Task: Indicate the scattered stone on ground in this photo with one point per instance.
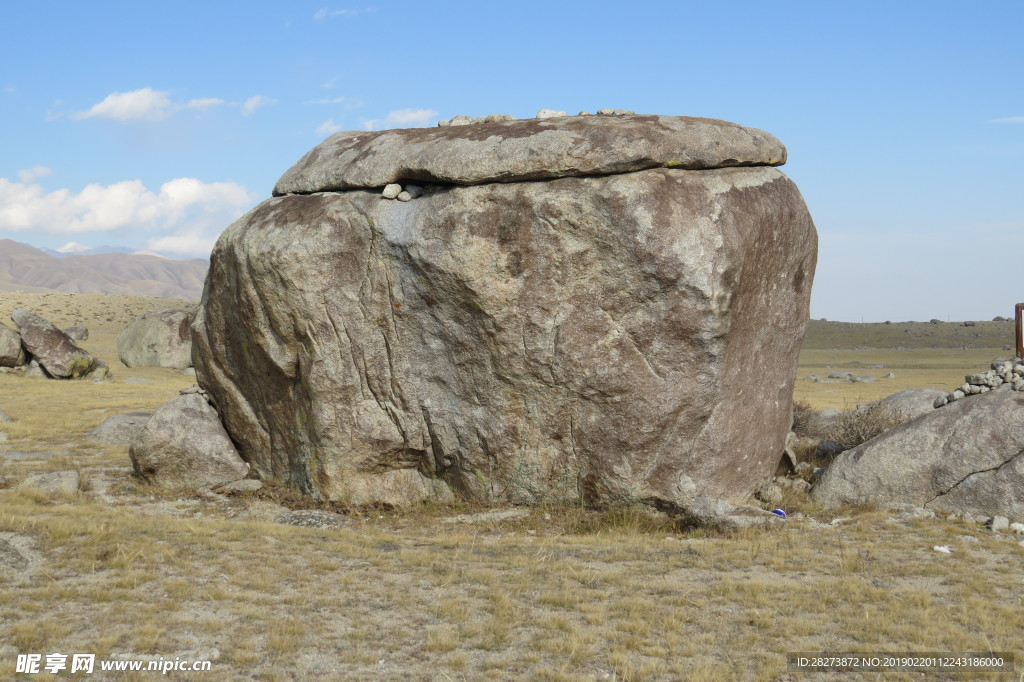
(315, 518)
(77, 333)
(121, 429)
(11, 352)
(55, 482)
(242, 486)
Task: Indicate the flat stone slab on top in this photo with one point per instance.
(527, 149)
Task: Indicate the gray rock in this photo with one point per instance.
(410, 193)
(967, 457)
(11, 352)
(245, 485)
(121, 429)
(999, 523)
(770, 493)
(189, 371)
(1016, 528)
(527, 149)
(314, 518)
(77, 333)
(184, 444)
(66, 482)
(35, 371)
(137, 380)
(409, 353)
(841, 375)
(159, 338)
(391, 191)
(497, 118)
(550, 113)
(863, 379)
(4, 417)
(718, 513)
(51, 347)
(914, 402)
(461, 120)
(890, 375)
(100, 370)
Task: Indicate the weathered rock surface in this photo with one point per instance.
(121, 429)
(11, 352)
(967, 457)
(159, 338)
(527, 149)
(584, 338)
(184, 444)
(50, 347)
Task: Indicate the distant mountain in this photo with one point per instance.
(26, 268)
(89, 250)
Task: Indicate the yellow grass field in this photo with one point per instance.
(119, 569)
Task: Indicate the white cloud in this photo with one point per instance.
(328, 127)
(334, 100)
(402, 118)
(204, 103)
(253, 103)
(187, 243)
(324, 13)
(184, 212)
(30, 174)
(145, 103)
(1010, 119)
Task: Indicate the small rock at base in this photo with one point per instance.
(314, 518)
(1017, 528)
(244, 485)
(391, 191)
(56, 482)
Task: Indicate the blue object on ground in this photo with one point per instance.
(779, 512)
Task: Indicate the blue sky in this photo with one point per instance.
(153, 125)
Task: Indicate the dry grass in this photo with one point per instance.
(562, 594)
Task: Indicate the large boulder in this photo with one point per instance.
(620, 336)
(11, 352)
(159, 338)
(184, 445)
(965, 457)
(54, 350)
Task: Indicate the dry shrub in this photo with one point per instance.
(804, 417)
(859, 425)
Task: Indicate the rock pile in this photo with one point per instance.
(40, 349)
(1003, 373)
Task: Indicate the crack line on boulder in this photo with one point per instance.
(974, 473)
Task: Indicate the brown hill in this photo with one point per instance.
(24, 268)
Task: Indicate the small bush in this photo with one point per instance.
(859, 425)
(804, 417)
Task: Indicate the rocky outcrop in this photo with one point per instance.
(913, 402)
(184, 445)
(11, 352)
(577, 339)
(77, 333)
(967, 457)
(159, 338)
(54, 350)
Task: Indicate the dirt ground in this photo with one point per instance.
(129, 572)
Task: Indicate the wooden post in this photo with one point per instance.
(1019, 309)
